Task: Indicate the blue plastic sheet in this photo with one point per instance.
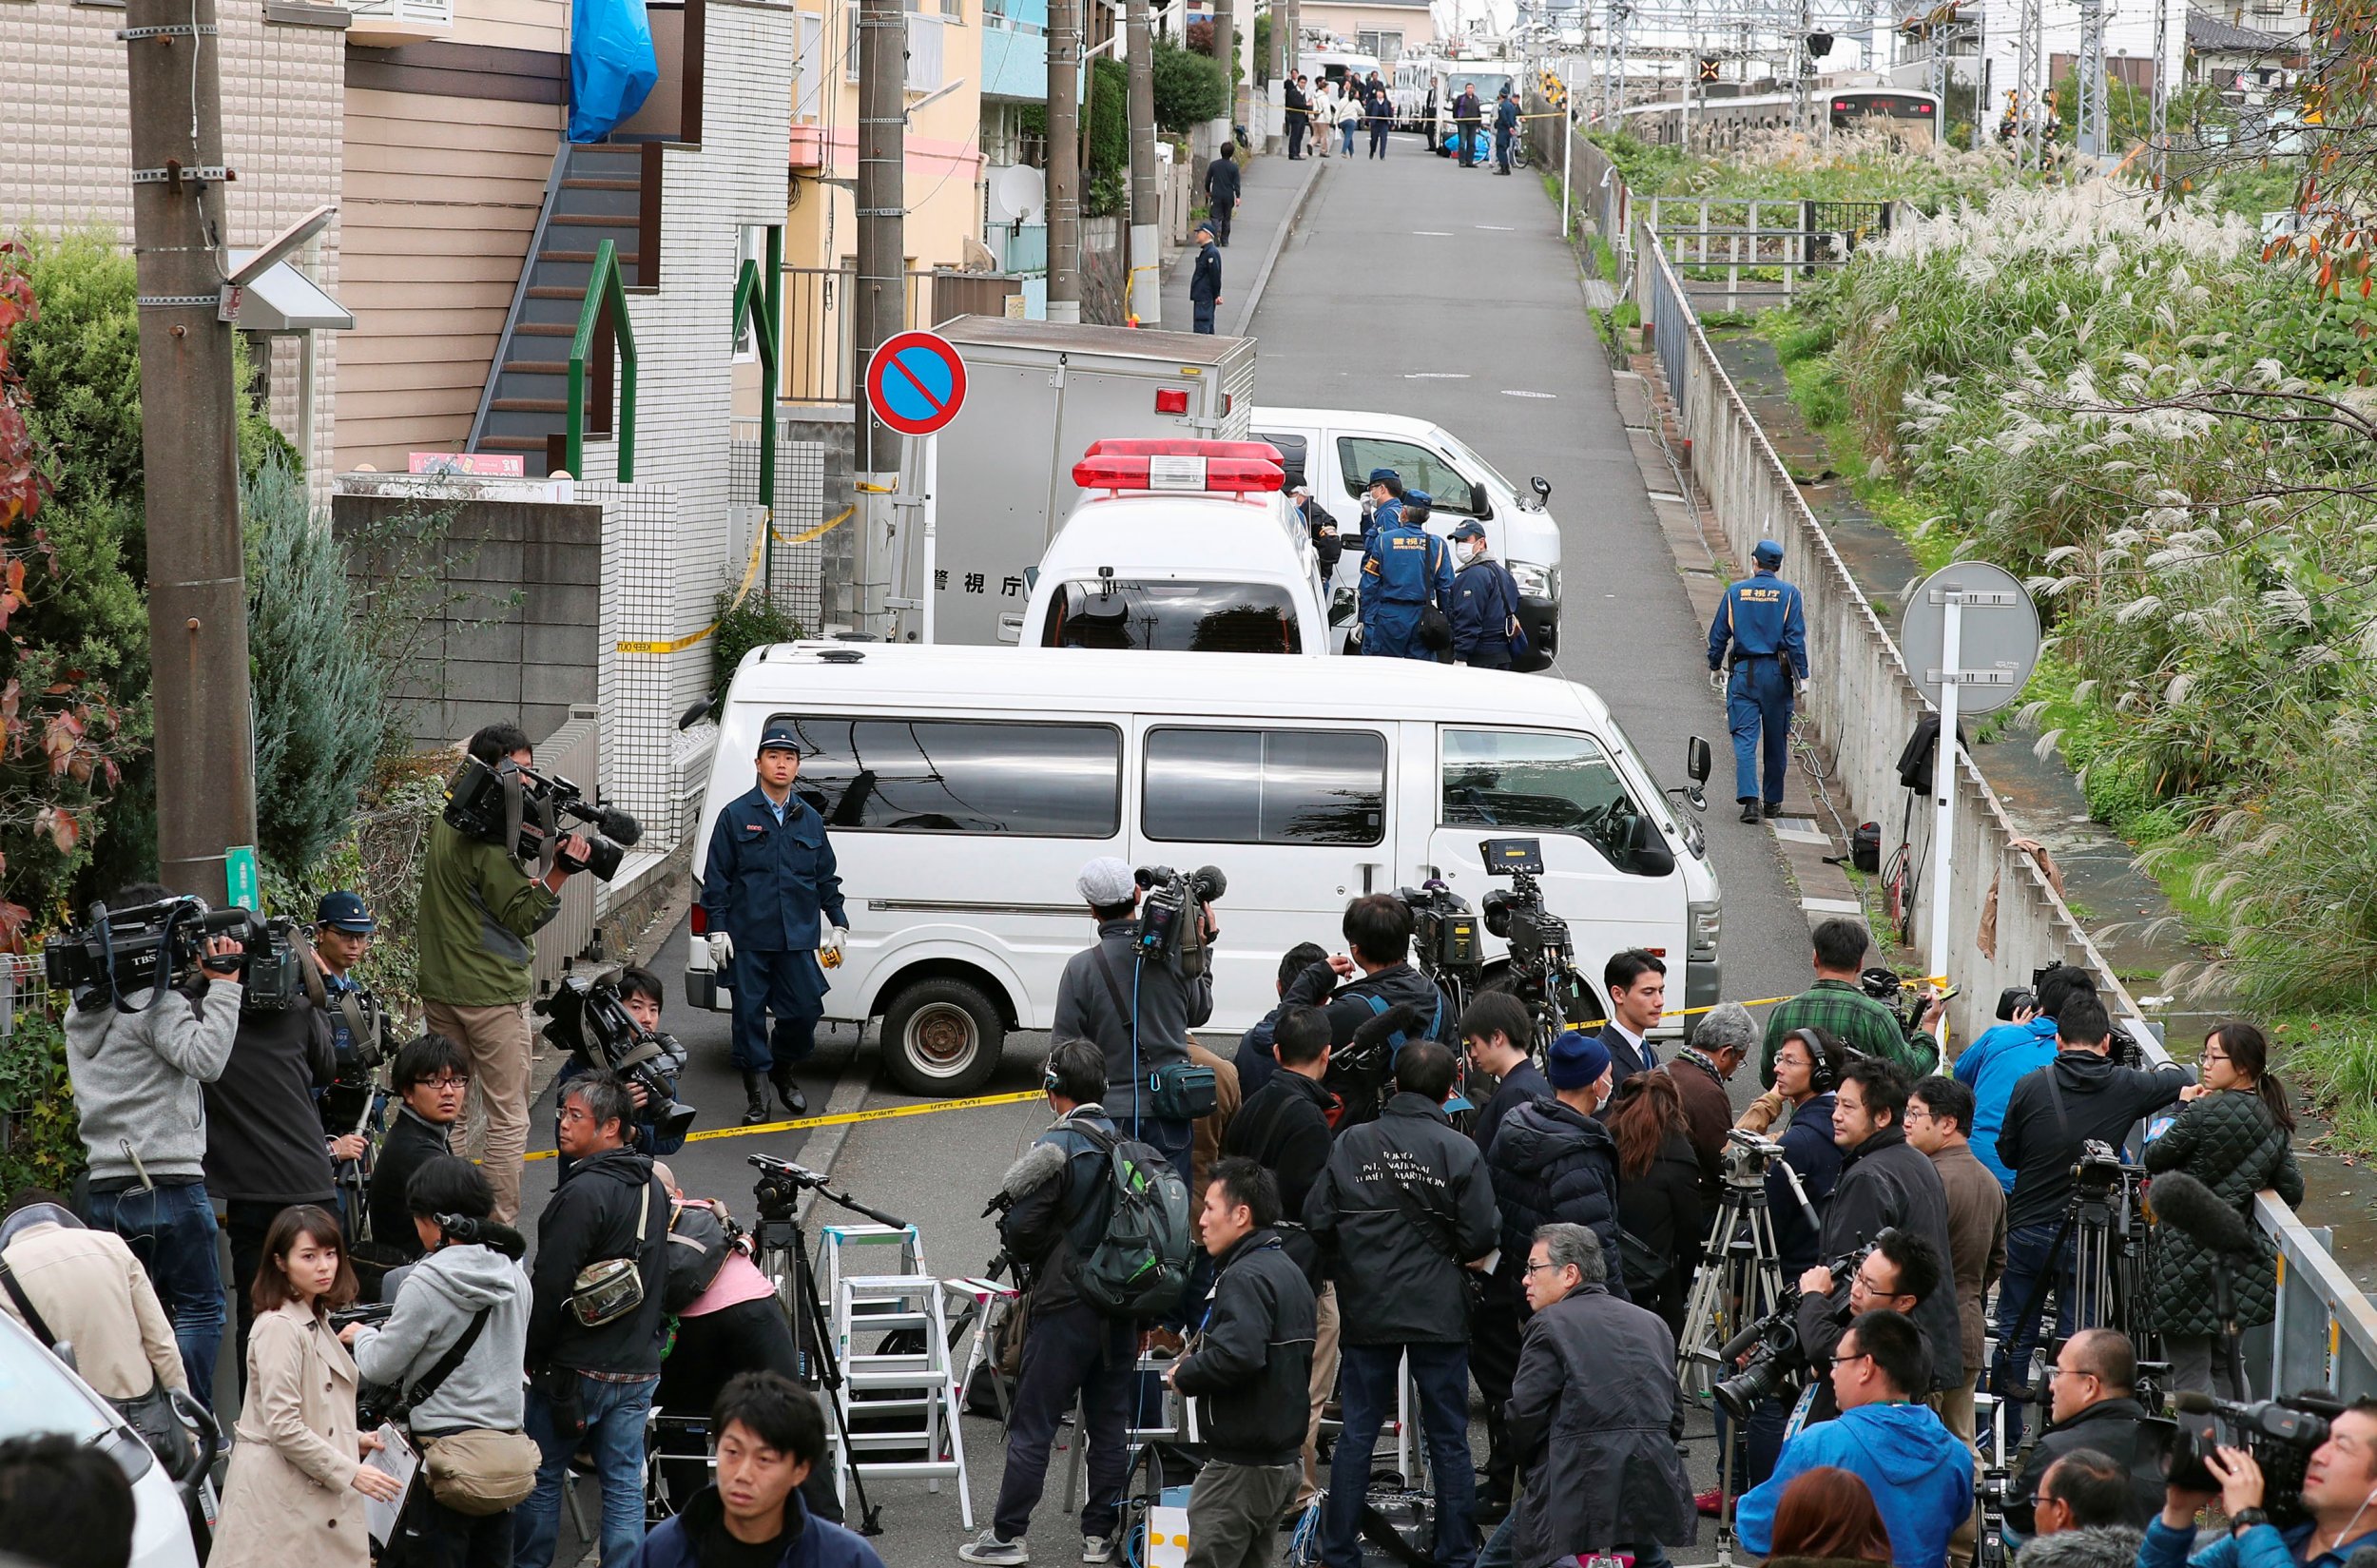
(612, 65)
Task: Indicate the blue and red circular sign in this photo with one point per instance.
(915, 382)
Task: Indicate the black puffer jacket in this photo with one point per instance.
(592, 1216)
(1403, 1205)
(1553, 1164)
(1888, 1182)
(1253, 1359)
(2228, 1140)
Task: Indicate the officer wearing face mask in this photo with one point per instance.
(1486, 604)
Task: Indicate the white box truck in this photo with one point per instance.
(1038, 395)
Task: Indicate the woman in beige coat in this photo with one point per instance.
(296, 1489)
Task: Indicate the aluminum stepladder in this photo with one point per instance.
(911, 1398)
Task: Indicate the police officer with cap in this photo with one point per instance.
(773, 902)
(1205, 283)
(1762, 619)
(1405, 569)
(1485, 603)
(359, 1035)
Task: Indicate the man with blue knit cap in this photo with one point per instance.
(1404, 569)
(1763, 621)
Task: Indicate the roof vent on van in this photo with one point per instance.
(840, 655)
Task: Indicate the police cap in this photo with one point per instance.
(343, 910)
(779, 738)
(1768, 552)
(1381, 475)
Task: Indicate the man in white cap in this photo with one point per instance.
(1137, 1009)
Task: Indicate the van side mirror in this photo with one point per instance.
(1478, 505)
(1697, 760)
(1542, 487)
(1344, 606)
(695, 714)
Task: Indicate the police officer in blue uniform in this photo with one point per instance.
(1762, 618)
(1205, 283)
(1405, 569)
(773, 900)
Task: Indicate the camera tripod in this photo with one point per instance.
(2105, 1285)
(784, 1259)
(1740, 1272)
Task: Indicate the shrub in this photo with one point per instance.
(756, 622)
(1189, 88)
(39, 1144)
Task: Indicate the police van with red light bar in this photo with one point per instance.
(1183, 545)
(964, 788)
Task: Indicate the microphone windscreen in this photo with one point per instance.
(1038, 1164)
(2191, 1402)
(2190, 1208)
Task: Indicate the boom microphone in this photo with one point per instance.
(2190, 1401)
(2195, 1212)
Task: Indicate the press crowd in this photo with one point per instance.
(1543, 1248)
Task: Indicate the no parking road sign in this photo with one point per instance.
(916, 383)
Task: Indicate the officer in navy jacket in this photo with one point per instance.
(773, 901)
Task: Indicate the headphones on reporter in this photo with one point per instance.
(1822, 1079)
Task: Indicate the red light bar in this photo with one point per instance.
(1225, 466)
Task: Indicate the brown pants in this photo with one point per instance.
(1954, 1407)
(1325, 1327)
(497, 1041)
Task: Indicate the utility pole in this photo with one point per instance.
(1064, 160)
(1146, 294)
(189, 447)
(2158, 104)
(1225, 51)
(2030, 108)
(882, 307)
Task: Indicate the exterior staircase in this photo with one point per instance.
(596, 193)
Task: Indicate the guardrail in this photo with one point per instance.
(1863, 704)
(606, 309)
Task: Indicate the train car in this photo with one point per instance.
(1721, 124)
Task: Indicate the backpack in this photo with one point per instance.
(698, 1244)
(1138, 1266)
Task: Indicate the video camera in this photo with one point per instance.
(2281, 1434)
(1444, 931)
(1543, 954)
(1171, 915)
(592, 1023)
(2100, 1169)
(522, 810)
(1776, 1357)
(145, 948)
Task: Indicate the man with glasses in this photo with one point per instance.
(2093, 1400)
(431, 1079)
(1898, 1275)
(1919, 1475)
(1885, 1183)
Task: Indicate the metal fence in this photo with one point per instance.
(1761, 248)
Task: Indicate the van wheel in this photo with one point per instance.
(942, 1037)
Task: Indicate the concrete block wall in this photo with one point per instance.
(65, 146)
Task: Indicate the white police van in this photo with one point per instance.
(964, 788)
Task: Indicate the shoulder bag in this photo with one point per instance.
(1181, 1091)
(151, 1414)
(475, 1470)
(610, 1289)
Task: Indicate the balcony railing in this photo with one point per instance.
(426, 13)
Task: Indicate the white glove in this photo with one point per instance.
(721, 949)
(1716, 681)
(835, 936)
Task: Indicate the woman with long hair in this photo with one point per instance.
(296, 1486)
(2235, 1135)
(1826, 1518)
(1659, 1213)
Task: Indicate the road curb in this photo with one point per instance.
(1279, 243)
(849, 1093)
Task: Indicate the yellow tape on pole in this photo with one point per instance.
(846, 1118)
(751, 572)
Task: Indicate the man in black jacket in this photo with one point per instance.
(1498, 1032)
(1058, 1193)
(591, 1387)
(1221, 190)
(1283, 1127)
(2092, 1398)
(431, 1079)
(1887, 1183)
(1249, 1367)
(1379, 974)
(1896, 1276)
(2079, 1097)
(1299, 105)
(1402, 1211)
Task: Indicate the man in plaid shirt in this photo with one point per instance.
(1836, 1004)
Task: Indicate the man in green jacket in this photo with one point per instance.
(479, 908)
(1837, 1003)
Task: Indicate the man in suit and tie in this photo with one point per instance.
(1636, 983)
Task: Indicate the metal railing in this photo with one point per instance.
(1862, 705)
(1768, 243)
(605, 308)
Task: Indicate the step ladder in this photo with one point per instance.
(900, 1404)
(1157, 1414)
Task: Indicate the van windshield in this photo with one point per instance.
(1183, 617)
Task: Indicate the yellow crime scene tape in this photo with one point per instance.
(1769, 1002)
(751, 575)
(934, 1108)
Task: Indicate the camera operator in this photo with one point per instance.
(463, 1309)
(1402, 1212)
(1806, 1079)
(1888, 1184)
(265, 1149)
(139, 1099)
(593, 1342)
(1499, 1033)
(640, 994)
(1379, 975)
(2082, 1098)
(1137, 1011)
(429, 1078)
(2005, 1055)
(1071, 1351)
(479, 910)
(358, 1040)
(2093, 1404)
(1921, 1475)
(2236, 1138)
(2339, 1492)
(1838, 1003)
(1899, 1275)
(1937, 1112)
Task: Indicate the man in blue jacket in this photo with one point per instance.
(773, 900)
(2002, 1056)
(2339, 1492)
(1485, 603)
(1920, 1473)
(1205, 283)
(769, 1433)
(1505, 129)
(1405, 569)
(1761, 619)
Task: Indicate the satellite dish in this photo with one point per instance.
(1020, 195)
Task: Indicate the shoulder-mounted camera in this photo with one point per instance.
(523, 811)
(122, 952)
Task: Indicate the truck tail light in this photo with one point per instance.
(1172, 400)
(1235, 468)
(700, 919)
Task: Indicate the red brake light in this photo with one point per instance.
(700, 919)
(1226, 467)
(1172, 400)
